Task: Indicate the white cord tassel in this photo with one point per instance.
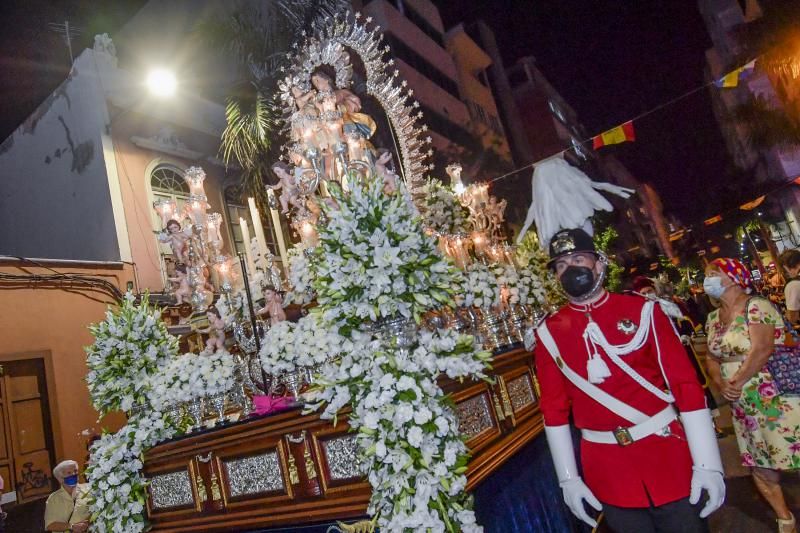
(597, 369)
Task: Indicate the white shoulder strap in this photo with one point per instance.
(614, 405)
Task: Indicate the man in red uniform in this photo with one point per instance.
(616, 363)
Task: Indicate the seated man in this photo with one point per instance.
(67, 508)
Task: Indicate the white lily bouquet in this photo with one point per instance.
(375, 262)
(301, 278)
(131, 344)
(479, 286)
(117, 484)
(523, 286)
(442, 211)
(306, 344)
(190, 376)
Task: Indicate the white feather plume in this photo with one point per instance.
(565, 198)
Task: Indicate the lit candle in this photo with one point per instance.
(308, 234)
(198, 207)
(166, 209)
(251, 265)
(257, 227)
(276, 224)
(480, 241)
(194, 179)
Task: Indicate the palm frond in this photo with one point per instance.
(767, 126)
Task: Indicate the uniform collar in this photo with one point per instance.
(585, 308)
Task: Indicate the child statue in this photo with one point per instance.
(385, 173)
(289, 191)
(176, 238)
(215, 330)
(273, 306)
(183, 290)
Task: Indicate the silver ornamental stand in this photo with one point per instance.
(252, 310)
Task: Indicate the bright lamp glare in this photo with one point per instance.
(161, 82)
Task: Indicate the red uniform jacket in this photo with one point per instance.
(657, 469)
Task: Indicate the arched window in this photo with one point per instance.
(168, 180)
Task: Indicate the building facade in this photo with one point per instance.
(724, 20)
(78, 229)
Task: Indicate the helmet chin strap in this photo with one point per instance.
(597, 288)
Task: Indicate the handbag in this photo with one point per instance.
(784, 362)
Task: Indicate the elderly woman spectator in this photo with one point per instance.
(742, 335)
(67, 508)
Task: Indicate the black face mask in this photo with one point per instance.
(577, 280)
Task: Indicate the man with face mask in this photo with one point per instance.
(615, 363)
(67, 508)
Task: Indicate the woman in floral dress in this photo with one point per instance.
(742, 335)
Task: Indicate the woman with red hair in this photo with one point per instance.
(742, 335)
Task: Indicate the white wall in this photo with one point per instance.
(54, 193)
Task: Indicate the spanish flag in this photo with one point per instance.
(617, 135)
(732, 79)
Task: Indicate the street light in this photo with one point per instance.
(161, 82)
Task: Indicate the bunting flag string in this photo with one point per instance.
(733, 78)
(618, 135)
(625, 132)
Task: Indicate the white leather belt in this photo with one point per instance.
(625, 436)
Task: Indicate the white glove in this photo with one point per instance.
(559, 439)
(707, 470)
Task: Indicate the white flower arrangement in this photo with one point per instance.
(523, 285)
(479, 286)
(307, 343)
(130, 345)
(374, 260)
(301, 278)
(413, 455)
(191, 376)
(118, 487)
(531, 287)
(443, 212)
(134, 363)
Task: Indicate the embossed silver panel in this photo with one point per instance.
(474, 415)
(171, 490)
(254, 475)
(342, 455)
(520, 392)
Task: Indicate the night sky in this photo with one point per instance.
(614, 60)
(610, 60)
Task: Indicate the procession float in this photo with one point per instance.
(377, 374)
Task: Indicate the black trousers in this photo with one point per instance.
(675, 517)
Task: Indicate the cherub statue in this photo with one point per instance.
(273, 306)
(215, 330)
(290, 194)
(496, 212)
(183, 290)
(385, 173)
(454, 172)
(176, 238)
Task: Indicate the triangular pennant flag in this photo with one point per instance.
(712, 220)
(617, 135)
(732, 79)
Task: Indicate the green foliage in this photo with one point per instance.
(604, 241)
(256, 38)
(531, 254)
